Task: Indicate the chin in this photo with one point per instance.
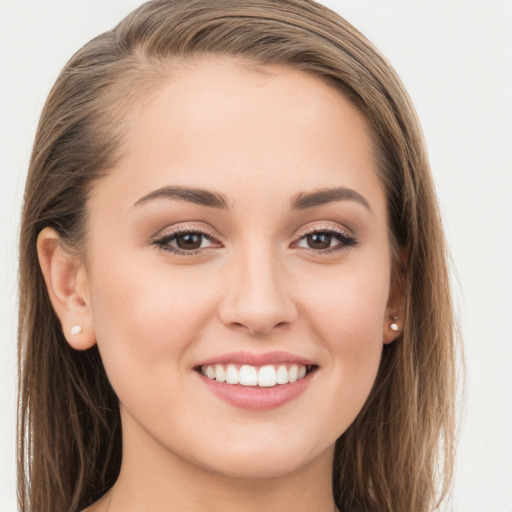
(260, 466)
(264, 458)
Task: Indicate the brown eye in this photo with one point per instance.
(319, 240)
(326, 241)
(189, 241)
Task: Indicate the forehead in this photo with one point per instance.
(225, 124)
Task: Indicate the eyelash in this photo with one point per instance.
(163, 242)
(345, 240)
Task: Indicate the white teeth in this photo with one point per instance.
(210, 372)
(248, 375)
(282, 375)
(220, 374)
(232, 375)
(266, 376)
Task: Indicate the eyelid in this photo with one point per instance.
(323, 227)
(345, 237)
(163, 238)
(187, 228)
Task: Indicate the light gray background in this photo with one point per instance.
(455, 58)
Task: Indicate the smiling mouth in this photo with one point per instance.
(267, 376)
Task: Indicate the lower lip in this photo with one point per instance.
(255, 397)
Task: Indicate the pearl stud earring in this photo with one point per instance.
(76, 329)
(393, 326)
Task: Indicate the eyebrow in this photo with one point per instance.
(190, 195)
(211, 199)
(328, 195)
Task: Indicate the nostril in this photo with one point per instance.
(264, 330)
(255, 328)
(256, 304)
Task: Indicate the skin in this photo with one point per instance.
(260, 138)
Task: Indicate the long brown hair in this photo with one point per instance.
(398, 454)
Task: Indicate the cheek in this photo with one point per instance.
(348, 304)
(146, 316)
(346, 314)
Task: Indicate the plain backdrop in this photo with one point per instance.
(455, 58)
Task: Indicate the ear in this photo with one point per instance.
(394, 318)
(67, 283)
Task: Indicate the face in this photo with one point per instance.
(242, 236)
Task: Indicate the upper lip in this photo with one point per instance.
(253, 359)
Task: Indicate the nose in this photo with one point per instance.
(257, 299)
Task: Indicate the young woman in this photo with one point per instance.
(233, 290)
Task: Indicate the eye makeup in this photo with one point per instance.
(190, 240)
(187, 240)
(318, 239)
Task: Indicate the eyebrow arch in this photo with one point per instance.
(188, 194)
(328, 195)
